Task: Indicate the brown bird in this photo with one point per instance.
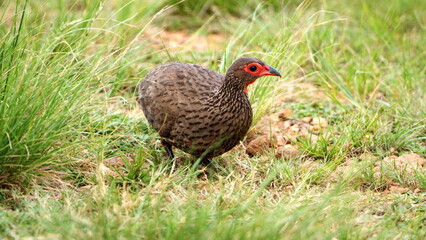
(199, 110)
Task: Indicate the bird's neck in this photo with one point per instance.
(229, 105)
(231, 91)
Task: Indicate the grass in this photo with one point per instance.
(79, 160)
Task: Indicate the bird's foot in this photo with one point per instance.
(168, 148)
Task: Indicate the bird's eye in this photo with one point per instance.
(253, 68)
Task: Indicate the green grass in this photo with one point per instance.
(79, 160)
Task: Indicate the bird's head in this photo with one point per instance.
(247, 69)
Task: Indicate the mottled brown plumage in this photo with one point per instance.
(198, 110)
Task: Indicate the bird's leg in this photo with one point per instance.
(168, 148)
(205, 162)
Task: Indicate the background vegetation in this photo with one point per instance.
(78, 159)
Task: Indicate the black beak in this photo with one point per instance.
(273, 71)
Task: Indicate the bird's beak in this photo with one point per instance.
(271, 71)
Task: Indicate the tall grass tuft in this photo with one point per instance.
(45, 88)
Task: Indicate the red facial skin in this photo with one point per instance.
(260, 71)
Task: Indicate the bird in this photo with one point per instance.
(198, 110)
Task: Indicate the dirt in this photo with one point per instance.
(185, 41)
(405, 166)
(398, 189)
(406, 163)
(410, 161)
(279, 133)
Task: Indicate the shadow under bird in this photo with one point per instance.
(199, 110)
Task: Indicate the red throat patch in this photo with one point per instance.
(245, 88)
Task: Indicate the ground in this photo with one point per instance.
(336, 150)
